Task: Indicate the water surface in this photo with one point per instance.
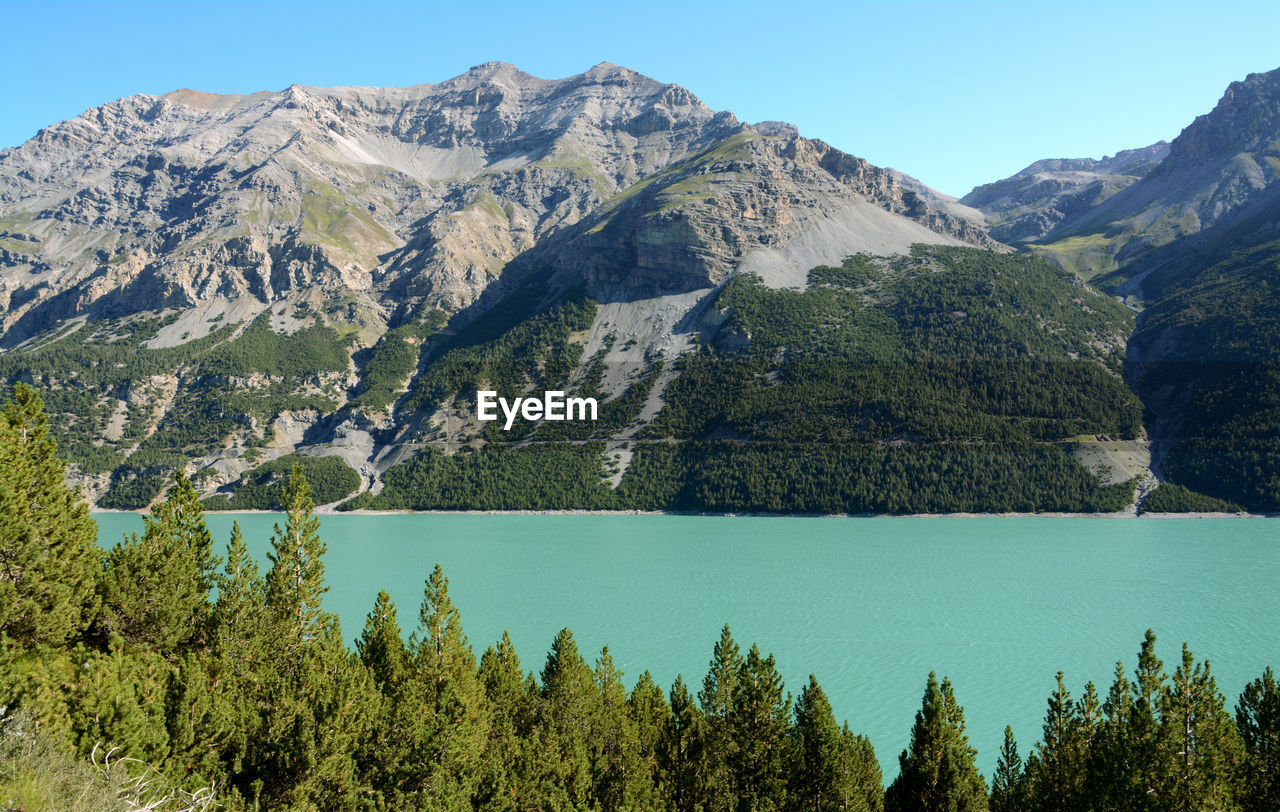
(868, 605)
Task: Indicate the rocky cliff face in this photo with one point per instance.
(1026, 206)
(280, 261)
(390, 201)
(1215, 187)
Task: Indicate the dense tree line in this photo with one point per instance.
(943, 381)
(330, 478)
(944, 344)
(1207, 350)
(392, 361)
(534, 351)
(758, 477)
(217, 674)
(1171, 497)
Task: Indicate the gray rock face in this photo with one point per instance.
(390, 200)
(1026, 206)
(1215, 187)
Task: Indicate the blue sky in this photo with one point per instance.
(953, 93)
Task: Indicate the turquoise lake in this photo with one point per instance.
(868, 605)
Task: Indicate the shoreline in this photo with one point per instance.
(329, 510)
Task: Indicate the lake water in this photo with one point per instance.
(869, 605)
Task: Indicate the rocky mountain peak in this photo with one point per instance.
(391, 200)
(1246, 119)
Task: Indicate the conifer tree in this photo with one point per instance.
(500, 783)
(48, 556)
(1089, 735)
(181, 517)
(1150, 769)
(570, 703)
(239, 611)
(716, 699)
(295, 581)
(381, 645)
(156, 588)
(681, 752)
(240, 650)
(1110, 762)
(204, 726)
(758, 725)
(318, 700)
(648, 709)
(1057, 778)
(118, 699)
(382, 651)
(1007, 784)
(937, 771)
(1258, 722)
(618, 779)
(1202, 743)
(861, 784)
(455, 725)
(815, 774)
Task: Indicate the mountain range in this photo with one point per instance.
(228, 285)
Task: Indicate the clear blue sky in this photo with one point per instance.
(953, 93)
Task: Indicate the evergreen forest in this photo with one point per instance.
(171, 672)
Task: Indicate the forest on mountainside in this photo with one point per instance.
(947, 380)
(1209, 369)
(206, 679)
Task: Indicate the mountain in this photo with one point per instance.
(229, 284)
(1193, 245)
(1216, 187)
(1027, 206)
(389, 201)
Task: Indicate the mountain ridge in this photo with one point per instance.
(210, 283)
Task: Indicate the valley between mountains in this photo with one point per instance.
(229, 286)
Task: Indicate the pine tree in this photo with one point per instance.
(937, 771)
(648, 709)
(681, 752)
(295, 581)
(48, 556)
(118, 700)
(618, 781)
(758, 725)
(716, 699)
(1057, 779)
(1110, 761)
(204, 727)
(156, 588)
(815, 773)
(181, 517)
(570, 704)
(1150, 769)
(240, 652)
(1258, 722)
(381, 646)
(861, 784)
(318, 700)
(500, 784)
(1007, 785)
(1202, 743)
(455, 726)
(382, 651)
(239, 613)
(1090, 736)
